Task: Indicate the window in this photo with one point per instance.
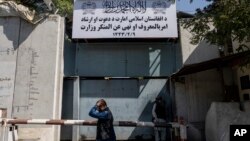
(244, 82)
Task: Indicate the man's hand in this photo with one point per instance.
(156, 119)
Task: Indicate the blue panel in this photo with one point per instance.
(69, 58)
(101, 60)
(109, 88)
(128, 59)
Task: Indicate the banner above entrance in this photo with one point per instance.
(124, 19)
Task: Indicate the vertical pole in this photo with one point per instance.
(76, 112)
(4, 128)
(183, 130)
(172, 94)
(76, 59)
(15, 136)
(176, 130)
(10, 133)
(2, 132)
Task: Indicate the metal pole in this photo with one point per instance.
(76, 110)
(85, 122)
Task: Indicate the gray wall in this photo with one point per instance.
(31, 58)
(223, 114)
(195, 92)
(195, 53)
(9, 33)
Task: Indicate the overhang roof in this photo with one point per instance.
(229, 60)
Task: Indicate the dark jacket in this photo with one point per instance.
(105, 129)
(160, 110)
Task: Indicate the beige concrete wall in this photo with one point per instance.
(195, 53)
(32, 72)
(223, 114)
(200, 89)
(194, 97)
(195, 92)
(9, 33)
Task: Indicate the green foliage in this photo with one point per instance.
(65, 7)
(38, 5)
(230, 20)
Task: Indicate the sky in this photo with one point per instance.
(186, 6)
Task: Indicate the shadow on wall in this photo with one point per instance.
(69, 54)
(122, 59)
(199, 53)
(142, 133)
(147, 133)
(16, 30)
(198, 90)
(67, 108)
(114, 99)
(145, 115)
(110, 88)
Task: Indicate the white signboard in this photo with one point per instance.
(124, 19)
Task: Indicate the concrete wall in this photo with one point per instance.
(9, 36)
(195, 92)
(221, 115)
(195, 53)
(31, 73)
(194, 97)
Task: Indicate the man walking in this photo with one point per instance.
(105, 128)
